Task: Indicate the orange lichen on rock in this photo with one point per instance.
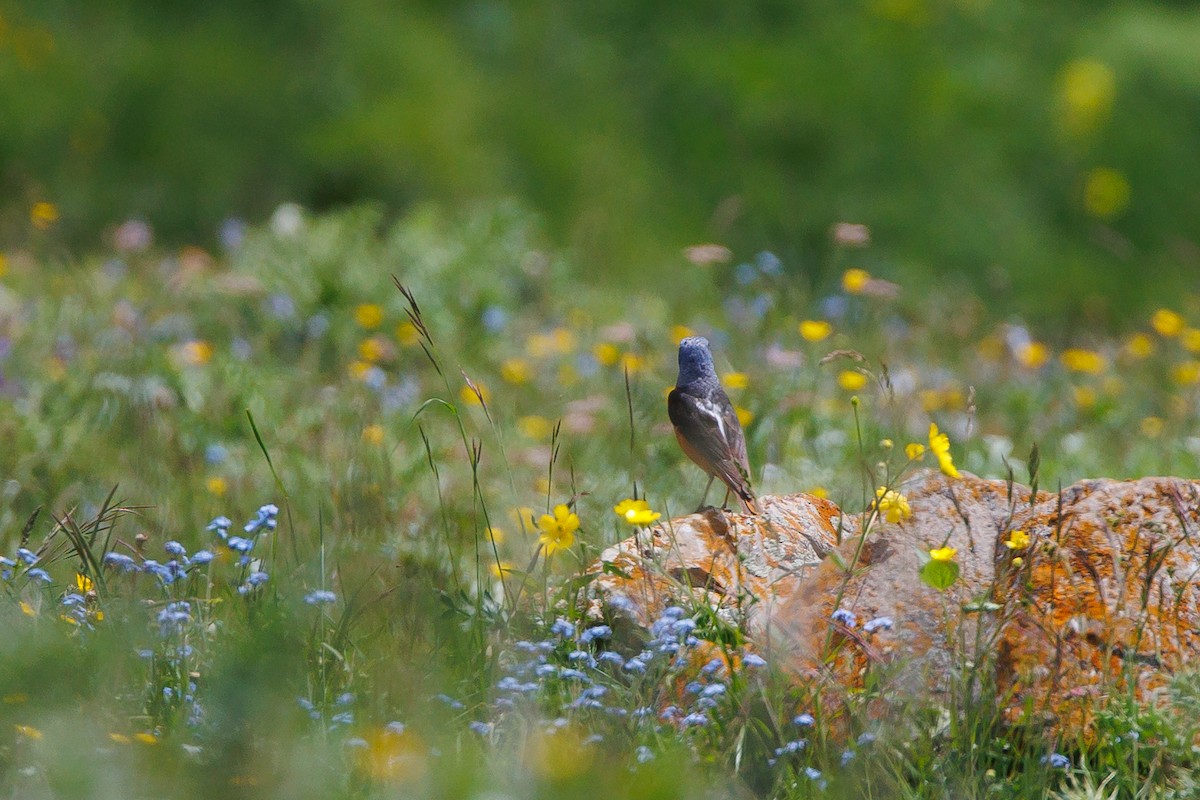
(1105, 600)
(739, 564)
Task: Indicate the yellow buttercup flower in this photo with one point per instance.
(892, 505)
(914, 450)
(43, 215)
(745, 416)
(1152, 427)
(1139, 346)
(474, 397)
(1190, 339)
(516, 371)
(1186, 373)
(939, 443)
(368, 316)
(1105, 193)
(83, 583)
(606, 354)
(851, 380)
(680, 332)
(943, 553)
(1079, 360)
(372, 349)
(407, 334)
(812, 330)
(854, 281)
(29, 732)
(1017, 540)
(535, 427)
(196, 353)
(1167, 323)
(635, 512)
(1086, 89)
(502, 569)
(216, 486)
(558, 530)
(1032, 355)
(373, 434)
(632, 363)
(736, 380)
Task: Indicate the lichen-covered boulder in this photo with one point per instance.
(1104, 602)
(741, 565)
(888, 620)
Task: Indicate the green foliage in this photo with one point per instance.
(411, 444)
(1044, 150)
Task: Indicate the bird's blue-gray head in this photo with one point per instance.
(696, 363)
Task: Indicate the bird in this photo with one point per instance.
(706, 425)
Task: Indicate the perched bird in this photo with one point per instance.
(706, 425)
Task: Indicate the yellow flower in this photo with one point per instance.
(886, 444)
(558, 531)
(819, 492)
(83, 583)
(1079, 360)
(1167, 323)
(1152, 427)
(914, 450)
(43, 215)
(851, 380)
(812, 330)
(407, 334)
(745, 416)
(1032, 355)
(368, 316)
(1190, 338)
(1018, 561)
(943, 553)
(632, 362)
(27, 609)
(1017, 540)
(1139, 346)
(562, 340)
(606, 354)
(359, 369)
(516, 371)
(1105, 193)
(893, 505)
(119, 738)
(196, 353)
(145, 737)
(29, 732)
(736, 380)
(474, 398)
(1186, 373)
(1085, 396)
(939, 443)
(495, 535)
(373, 434)
(680, 332)
(1086, 88)
(372, 349)
(855, 280)
(502, 569)
(635, 512)
(535, 427)
(3, 265)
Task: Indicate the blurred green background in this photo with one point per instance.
(1045, 152)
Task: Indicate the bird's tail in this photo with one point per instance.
(747, 497)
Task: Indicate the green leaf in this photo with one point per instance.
(941, 575)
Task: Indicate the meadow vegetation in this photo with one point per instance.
(307, 517)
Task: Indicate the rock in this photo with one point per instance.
(1105, 601)
(881, 581)
(739, 564)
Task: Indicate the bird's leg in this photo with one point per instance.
(725, 502)
(704, 499)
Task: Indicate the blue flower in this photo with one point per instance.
(847, 757)
(174, 617)
(220, 526)
(597, 632)
(240, 544)
(319, 596)
(715, 690)
(482, 728)
(634, 665)
(865, 738)
(120, 561)
(202, 557)
(804, 720)
(712, 666)
(344, 699)
(1056, 761)
(257, 578)
(264, 518)
(448, 700)
(792, 747)
(877, 623)
(174, 548)
(38, 574)
(612, 657)
(562, 628)
(394, 727)
(28, 556)
(643, 754)
(845, 617)
(695, 719)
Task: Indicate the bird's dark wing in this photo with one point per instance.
(709, 431)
